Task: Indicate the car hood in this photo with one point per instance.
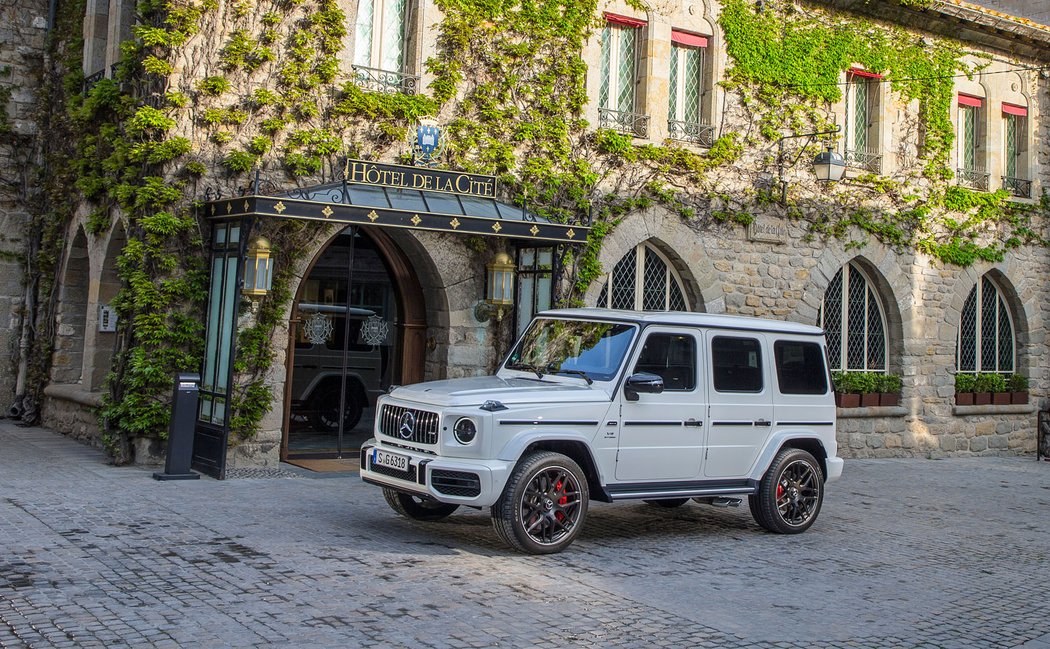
(508, 391)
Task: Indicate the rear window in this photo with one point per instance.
(736, 364)
(800, 367)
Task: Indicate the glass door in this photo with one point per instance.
(347, 348)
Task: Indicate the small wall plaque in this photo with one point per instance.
(768, 230)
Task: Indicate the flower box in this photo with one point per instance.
(1019, 398)
(1001, 398)
(964, 398)
(982, 398)
(869, 399)
(889, 399)
(847, 400)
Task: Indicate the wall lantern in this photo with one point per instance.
(499, 288)
(258, 268)
(828, 165)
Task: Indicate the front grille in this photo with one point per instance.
(421, 427)
(409, 475)
(455, 483)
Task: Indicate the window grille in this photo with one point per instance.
(643, 280)
(854, 323)
(685, 109)
(986, 333)
(379, 47)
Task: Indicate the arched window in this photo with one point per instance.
(645, 281)
(854, 322)
(986, 331)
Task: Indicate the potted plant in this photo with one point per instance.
(1017, 384)
(964, 389)
(847, 394)
(987, 384)
(889, 386)
(869, 388)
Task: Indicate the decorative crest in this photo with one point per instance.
(428, 143)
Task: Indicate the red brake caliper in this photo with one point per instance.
(561, 501)
(780, 491)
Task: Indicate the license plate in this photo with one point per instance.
(390, 460)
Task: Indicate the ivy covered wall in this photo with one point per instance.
(212, 91)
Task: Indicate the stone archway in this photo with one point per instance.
(104, 337)
(67, 361)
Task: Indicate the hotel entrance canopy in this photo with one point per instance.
(410, 198)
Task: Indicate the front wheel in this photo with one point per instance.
(544, 504)
(790, 493)
(417, 508)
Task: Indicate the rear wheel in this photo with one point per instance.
(667, 503)
(790, 493)
(544, 504)
(416, 507)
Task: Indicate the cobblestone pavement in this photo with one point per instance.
(906, 553)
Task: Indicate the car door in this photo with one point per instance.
(662, 435)
(741, 402)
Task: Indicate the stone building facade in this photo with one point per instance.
(655, 77)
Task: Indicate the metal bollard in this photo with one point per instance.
(180, 431)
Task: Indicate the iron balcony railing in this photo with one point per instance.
(92, 79)
(623, 122)
(1018, 187)
(973, 178)
(868, 160)
(702, 134)
(385, 81)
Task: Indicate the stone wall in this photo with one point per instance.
(23, 26)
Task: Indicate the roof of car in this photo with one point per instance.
(683, 318)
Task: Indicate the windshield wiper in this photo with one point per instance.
(552, 370)
(527, 368)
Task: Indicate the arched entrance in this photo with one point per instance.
(356, 329)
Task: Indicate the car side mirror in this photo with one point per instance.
(642, 382)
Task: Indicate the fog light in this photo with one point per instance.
(465, 431)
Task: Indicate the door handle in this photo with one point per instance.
(693, 422)
(762, 422)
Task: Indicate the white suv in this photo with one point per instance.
(613, 405)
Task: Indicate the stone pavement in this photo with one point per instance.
(906, 553)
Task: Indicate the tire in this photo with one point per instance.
(667, 503)
(544, 505)
(324, 407)
(790, 493)
(417, 508)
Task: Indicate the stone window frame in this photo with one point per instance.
(107, 24)
(699, 131)
(972, 165)
(867, 156)
(871, 290)
(639, 280)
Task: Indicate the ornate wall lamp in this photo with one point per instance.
(828, 165)
(258, 268)
(499, 288)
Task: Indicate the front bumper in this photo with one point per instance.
(476, 483)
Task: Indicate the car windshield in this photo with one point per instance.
(592, 350)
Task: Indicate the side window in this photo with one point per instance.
(800, 367)
(736, 364)
(672, 357)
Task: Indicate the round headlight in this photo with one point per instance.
(465, 430)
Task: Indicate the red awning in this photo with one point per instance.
(970, 100)
(857, 72)
(626, 21)
(1013, 109)
(687, 38)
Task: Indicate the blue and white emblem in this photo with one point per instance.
(428, 144)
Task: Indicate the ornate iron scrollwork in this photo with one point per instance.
(866, 160)
(701, 134)
(1018, 187)
(386, 81)
(974, 179)
(623, 122)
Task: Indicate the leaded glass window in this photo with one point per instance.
(986, 333)
(535, 289)
(968, 141)
(686, 83)
(618, 68)
(379, 34)
(854, 323)
(860, 112)
(643, 280)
